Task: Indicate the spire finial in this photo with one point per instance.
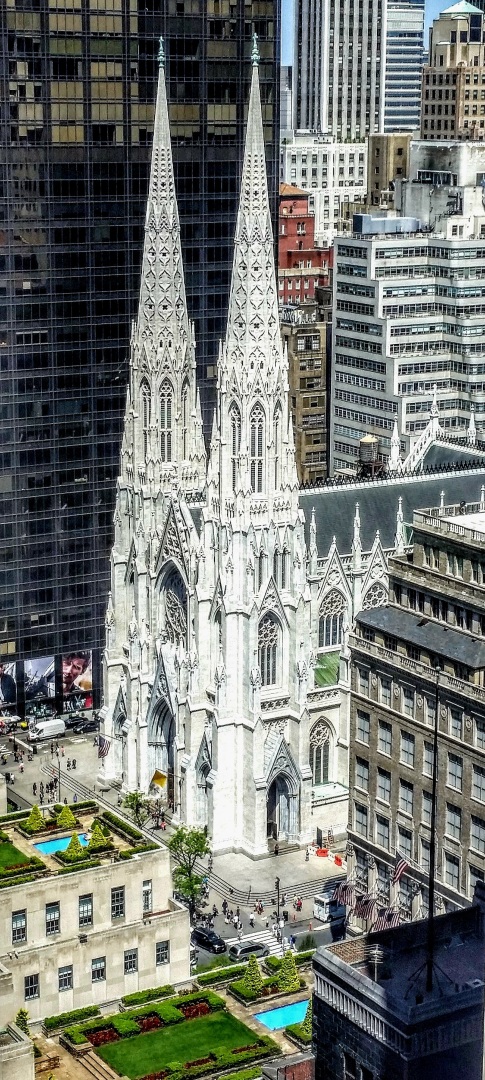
(255, 57)
(161, 54)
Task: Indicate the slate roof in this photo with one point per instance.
(425, 633)
(444, 453)
(378, 503)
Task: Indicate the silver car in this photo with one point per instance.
(244, 949)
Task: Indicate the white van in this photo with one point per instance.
(46, 729)
(326, 909)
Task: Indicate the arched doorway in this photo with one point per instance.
(161, 737)
(202, 805)
(278, 816)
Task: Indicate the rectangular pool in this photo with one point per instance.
(286, 1014)
(60, 843)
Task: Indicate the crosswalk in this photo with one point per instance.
(263, 937)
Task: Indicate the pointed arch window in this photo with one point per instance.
(269, 634)
(319, 752)
(256, 451)
(331, 620)
(145, 416)
(280, 568)
(175, 597)
(277, 443)
(235, 418)
(185, 421)
(166, 420)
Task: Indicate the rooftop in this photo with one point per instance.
(422, 631)
(462, 8)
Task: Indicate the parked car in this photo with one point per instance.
(85, 726)
(244, 949)
(9, 723)
(71, 720)
(208, 939)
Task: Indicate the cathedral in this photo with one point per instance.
(226, 659)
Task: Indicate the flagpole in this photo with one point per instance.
(432, 846)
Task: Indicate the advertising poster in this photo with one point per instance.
(39, 687)
(77, 681)
(8, 685)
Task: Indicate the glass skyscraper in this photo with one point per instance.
(78, 80)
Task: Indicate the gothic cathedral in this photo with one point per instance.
(208, 671)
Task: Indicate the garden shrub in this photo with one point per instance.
(66, 819)
(35, 821)
(307, 1023)
(298, 1032)
(121, 826)
(307, 943)
(102, 825)
(287, 977)
(88, 864)
(130, 852)
(142, 996)
(22, 1020)
(241, 990)
(98, 840)
(21, 880)
(227, 972)
(53, 1022)
(252, 979)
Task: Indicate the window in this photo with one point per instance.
(363, 727)
(477, 834)
(64, 976)
(147, 896)
(145, 409)
(268, 635)
(406, 797)
(424, 855)
(452, 870)
(52, 918)
(362, 774)
(185, 420)
(350, 1067)
(405, 842)
(407, 749)
(19, 926)
(453, 821)
(31, 987)
(118, 902)
(361, 819)
(408, 701)
(382, 831)
(426, 807)
(474, 875)
(383, 785)
(384, 738)
(235, 420)
(456, 723)
(256, 443)
(428, 755)
(480, 734)
(319, 752)
(98, 969)
(131, 961)
(386, 691)
(331, 620)
(478, 783)
(162, 952)
(363, 676)
(166, 396)
(455, 772)
(86, 910)
(430, 711)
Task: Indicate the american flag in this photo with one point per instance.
(103, 746)
(400, 867)
(365, 906)
(344, 893)
(386, 918)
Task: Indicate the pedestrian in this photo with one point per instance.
(57, 747)
(74, 762)
(52, 749)
(41, 787)
(239, 935)
(238, 911)
(41, 798)
(62, 751)
(224, 907)
(95, 740)
(251, 919)
(65, 800)
(75, 796)
(276, 849)
(69, 763)
(267, 922)
(235, 921)
(21, 766)
(34, 789)
(307, 855)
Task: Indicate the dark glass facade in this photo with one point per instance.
(78, 81)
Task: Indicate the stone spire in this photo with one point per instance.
(434, 423)
(394, 463)
(472, 431)
(162, 442)
(255, 445)
(357, 542)
(399, 539)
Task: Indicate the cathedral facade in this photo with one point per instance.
(220, 608)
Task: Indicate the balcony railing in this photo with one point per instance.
(422, 671)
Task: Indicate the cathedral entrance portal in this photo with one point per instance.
(161, 738)
(278, 815)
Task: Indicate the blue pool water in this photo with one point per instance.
(47, 847)
(280, 1018)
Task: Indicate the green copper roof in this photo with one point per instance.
(462, 8)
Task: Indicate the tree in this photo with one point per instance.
(22, 1021)
(252, 979)
(98, 839)
(188, 845)
(307, 1023)
(288, 977)
(75, 850)
(66, 819)
(35, 822)
(138, 807)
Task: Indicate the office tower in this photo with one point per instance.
(78, 87)
(286, 101)
(453, 85)
(346, 66)
(334, 174)
(387, 160)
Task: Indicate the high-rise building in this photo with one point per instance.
(453, 84)
(78, 87)
(333, 173)
(357, 66)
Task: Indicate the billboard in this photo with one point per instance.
(77, 681)
(8, 685)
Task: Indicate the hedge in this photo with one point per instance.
(273, 963)
(128, 854)
(16, 815)
(63, 1019)
(89, 804)
(18, 880)
(246, 1074)
(122, 826)
(142, 996)
(221, 974)
(124, 1024)
(224, 1059)
(89, 864)
(34, 863)
(239, 987)
(296, 1030)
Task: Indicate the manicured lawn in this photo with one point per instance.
(183, 1042)
(10, 855)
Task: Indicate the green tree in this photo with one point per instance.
(307, 1023)
(75, 850)
(98, 839)
(22, 1021)
(252, 979)
(35, 821)
(188, 845)
(138, 807)
(66, 819)
(288, 977)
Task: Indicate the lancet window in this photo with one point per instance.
(331, 620)
(145, 415)
(269, 634)
(235, 417)
(319, 752)
(166, 420)
(256, 448)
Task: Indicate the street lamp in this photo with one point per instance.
(277, 887)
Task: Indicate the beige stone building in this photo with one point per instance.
(16, 1054)
(304, 331)
(387, 160)
(453, 86)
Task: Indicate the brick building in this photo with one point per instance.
(302, 266)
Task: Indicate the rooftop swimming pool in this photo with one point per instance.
(48, 847)
(286, 1014)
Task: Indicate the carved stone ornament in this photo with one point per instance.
(419, 701)
(468, 724)
(443, 712)
(396, 691)
(374, 680)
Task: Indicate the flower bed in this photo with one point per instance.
(195, 1009)
(273, 963)
(103, 1036)
(150, 1022)
(126, 1023)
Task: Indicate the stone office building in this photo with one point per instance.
(421, 652)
